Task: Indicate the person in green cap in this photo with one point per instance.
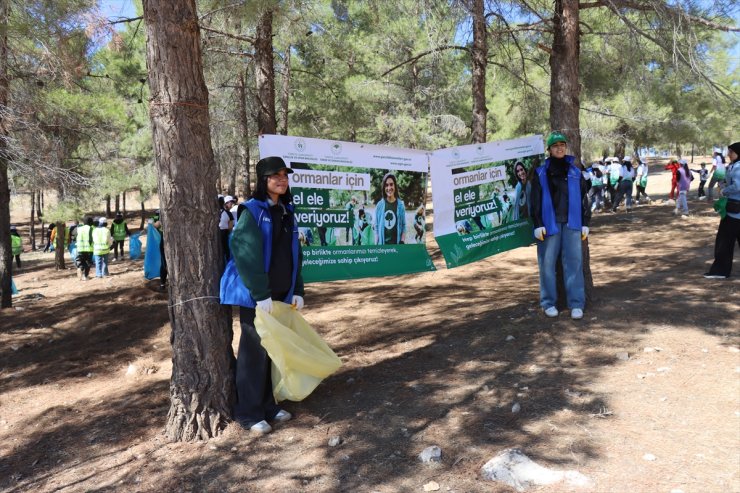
(560, 213)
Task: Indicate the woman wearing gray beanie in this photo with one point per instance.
(728, 232)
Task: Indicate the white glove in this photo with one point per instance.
(539, 233)
(265, 305)
(584, 232)
(297, 302)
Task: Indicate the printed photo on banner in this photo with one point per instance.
(359, 208)
(481, 197)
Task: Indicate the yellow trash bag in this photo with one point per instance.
(300, 357)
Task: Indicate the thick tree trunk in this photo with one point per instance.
(480, 57)
(285, 94)
(6, 253)
(565, 103)
(61, 230)
(565, 87)
(33, 220)
(265, 74)
(243, 119)
(202, 386)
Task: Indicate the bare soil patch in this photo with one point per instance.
(426, 362)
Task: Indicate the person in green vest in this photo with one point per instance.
(16, 244)
(84, 259)
(119, 231)
(102, 240)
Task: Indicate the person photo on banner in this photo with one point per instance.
(390, 214)
(561, 213)
(521, 192)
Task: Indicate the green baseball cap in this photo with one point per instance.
(554, 138)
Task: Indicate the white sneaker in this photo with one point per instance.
(576, 314)
(282, 416)
(551, 312)
(262, 428)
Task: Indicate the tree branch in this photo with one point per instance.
(125, 19)
(248, 39)
(416, 58)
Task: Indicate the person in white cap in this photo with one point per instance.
(226, 224)
(626, 176)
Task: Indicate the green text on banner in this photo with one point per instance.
(359, 207)
(481, 203)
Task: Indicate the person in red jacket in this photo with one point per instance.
(673, 166)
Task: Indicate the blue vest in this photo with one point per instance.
(233, 290)
(574, 192)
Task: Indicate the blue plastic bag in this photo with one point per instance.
(134, 247)
(13, 289)
(152, 258)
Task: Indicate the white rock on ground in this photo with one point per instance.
(431, 454)
(514, 468)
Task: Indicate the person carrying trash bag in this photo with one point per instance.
(265, 266)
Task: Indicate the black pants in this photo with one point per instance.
(162, 264)
(18, 261)
(225, 244)
(724, 246)
(84, 261)
(701, 189)
(254, 399)
(116, 244)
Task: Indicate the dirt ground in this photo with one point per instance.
(426, 361)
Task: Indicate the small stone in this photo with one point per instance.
(431, 486)
(623, 355)
(234, 449)
(733, 349)
(676, 490)
(663, 369)
(431, 454)
(663, 399)
(641, 376)
(649, 457)
(131, 370)
(89, 375)
(334, 441)
(704, 350)
(350, 380)
(213, 447)
(648, 350)
(19, 308)
(516, 408)
(510, 338)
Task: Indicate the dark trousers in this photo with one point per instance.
(18, 261)
(84, 261)
(254, 399)
(701, 188)
(163, 264)
(116, 244)
(724, 246)
(225, 244)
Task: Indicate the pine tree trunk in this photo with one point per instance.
(33, 220)
(118, 203)
(123, 199)
(202, 386)
(265, 74)
(107, 206)
(40, 214)
(243, 119)
(565, 105)
(6, 252)
(285, 94)
(565, 87)
(61, 230)
(143, 216)
(480, 57)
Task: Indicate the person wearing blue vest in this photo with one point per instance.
(265, 265)
(560, 213)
